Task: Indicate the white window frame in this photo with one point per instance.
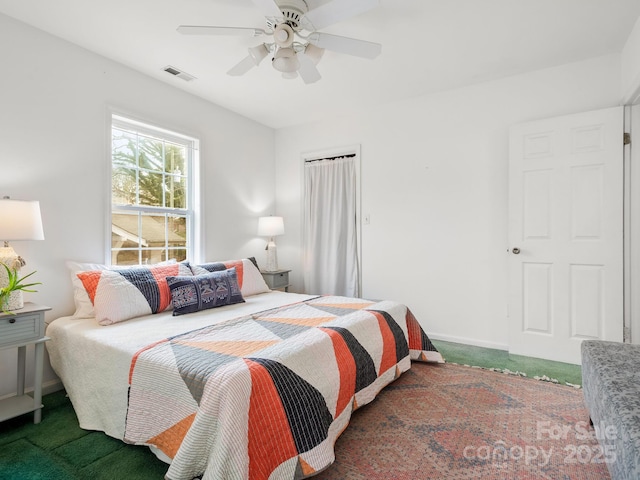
(193, 207)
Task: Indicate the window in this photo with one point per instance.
(152, 193)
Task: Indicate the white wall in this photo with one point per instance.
(631, 66)
(434, 181)
(54, 98)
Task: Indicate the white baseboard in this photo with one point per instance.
(47, 388)
(468, 341)
(52, 386)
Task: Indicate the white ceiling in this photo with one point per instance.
(427, 46)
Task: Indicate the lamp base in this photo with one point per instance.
(272, 257)
(10, 258)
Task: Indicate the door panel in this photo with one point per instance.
(587, 198)
(537, 204)
(587, 300)
(538, 297)
(566, 220)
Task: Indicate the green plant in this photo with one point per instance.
(15, 283)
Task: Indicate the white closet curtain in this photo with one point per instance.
(329, 227)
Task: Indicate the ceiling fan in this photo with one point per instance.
(297, 45)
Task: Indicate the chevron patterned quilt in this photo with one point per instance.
(265, 396)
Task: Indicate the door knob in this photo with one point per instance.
(515, 250)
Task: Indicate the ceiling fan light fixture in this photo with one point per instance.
(283, 35)
(297, 45)
(285, 60)
(258, 53)
(313, 52)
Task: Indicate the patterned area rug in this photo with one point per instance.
(454, 422)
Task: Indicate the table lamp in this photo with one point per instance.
(271, 227)
(19, 220)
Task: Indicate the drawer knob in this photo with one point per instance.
(12, 320)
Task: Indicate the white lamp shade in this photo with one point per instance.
(314, 53)
(285, 60)
(270, 226)
(20, 220)
(258, 53)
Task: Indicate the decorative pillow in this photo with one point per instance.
(84, 305)
(249, 277)
(125, 293)
(208, 290)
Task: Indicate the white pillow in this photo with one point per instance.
(124, 293)
(84, 307)
(249, 277)
(252, 281)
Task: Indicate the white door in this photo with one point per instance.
(565, 233)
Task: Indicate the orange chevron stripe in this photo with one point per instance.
(347, 369)
(413, 329)
(389, 354)
(305, 322)
(170, 440)
(90, 281)
(305, 467)
(270, 441)
(160, 274)
(239, 269)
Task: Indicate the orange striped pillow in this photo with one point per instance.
(118, 295)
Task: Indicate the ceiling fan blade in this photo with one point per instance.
(269, 8)
(350, 46)
(211, 30)
(308, 71)
(336, 11)
(242, 67)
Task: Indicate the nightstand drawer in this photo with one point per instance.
(23, 329)
(277, 279)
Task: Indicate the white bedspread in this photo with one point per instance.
(93, 361)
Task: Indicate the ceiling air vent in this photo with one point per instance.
(177, 73)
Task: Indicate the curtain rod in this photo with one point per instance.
(349, 155)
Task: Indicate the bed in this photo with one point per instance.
(259, 387)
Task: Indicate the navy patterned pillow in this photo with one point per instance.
(200, 292)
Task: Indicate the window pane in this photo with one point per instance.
(177, 231)
(175, 156)
(151, 189)
(179, 254)
(175, 191)
(125, 257)
(124, 149)
(150, 257)
(151, 154)
(124, 231)
(153, 231)
(123, 186)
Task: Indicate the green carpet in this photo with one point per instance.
(58, 449)
(503, 360)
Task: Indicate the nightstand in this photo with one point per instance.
(276, 280)
(17, 330)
